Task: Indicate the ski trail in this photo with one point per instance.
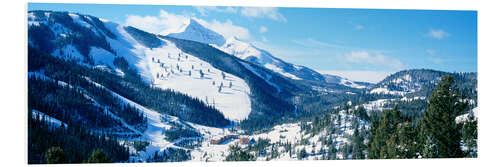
(156, 127)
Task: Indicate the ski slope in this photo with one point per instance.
(170, 68)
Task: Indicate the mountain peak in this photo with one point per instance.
(195, 31)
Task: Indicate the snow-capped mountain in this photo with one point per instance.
(346, 82)
(246, 51)
(251, 53)
(194, 31)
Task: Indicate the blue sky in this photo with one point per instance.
(361, 44)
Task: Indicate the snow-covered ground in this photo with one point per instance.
(284, 133)
(376, 104)
(170, 68)
(386, 91)
(464, 117)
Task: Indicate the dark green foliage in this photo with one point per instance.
(189, 143)
(76, 141)
(177, 132)
(357, 145)
(382, 131)
(302, 154)
(404, 142)
(440, 132)
(55, 155)
(140, 145)
(237, 154)
(145, 38)
(469, 135)
(170, 155)
(260, 146)
(361, 113)
(98, 156)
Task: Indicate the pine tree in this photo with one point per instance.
(440, 132)
(55, 155)
(98, 156)
(469, 135)
(381, 132)
(238, 154)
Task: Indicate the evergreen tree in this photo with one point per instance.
(469, 135)
(302, 154)
(98, 156)
(440, 132)
(55, 155)
(381, 132)
(358, 145)
(238, 154)
(403, 142)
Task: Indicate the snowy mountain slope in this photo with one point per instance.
(194, 31)
(139, 47)
(170, 68)
(251, 53)
(154, 131)
(346, 82)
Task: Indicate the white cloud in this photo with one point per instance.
(377, 59)
(310, 42)
(203, 10)
(227, 29)
(262, 29)
(263, 12)
(264, 39)
(358, 27)
(438, 34)
(364, 76)
(166, 23)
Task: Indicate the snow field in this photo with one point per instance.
(170, 68)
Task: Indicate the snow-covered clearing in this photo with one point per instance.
(386, 91)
